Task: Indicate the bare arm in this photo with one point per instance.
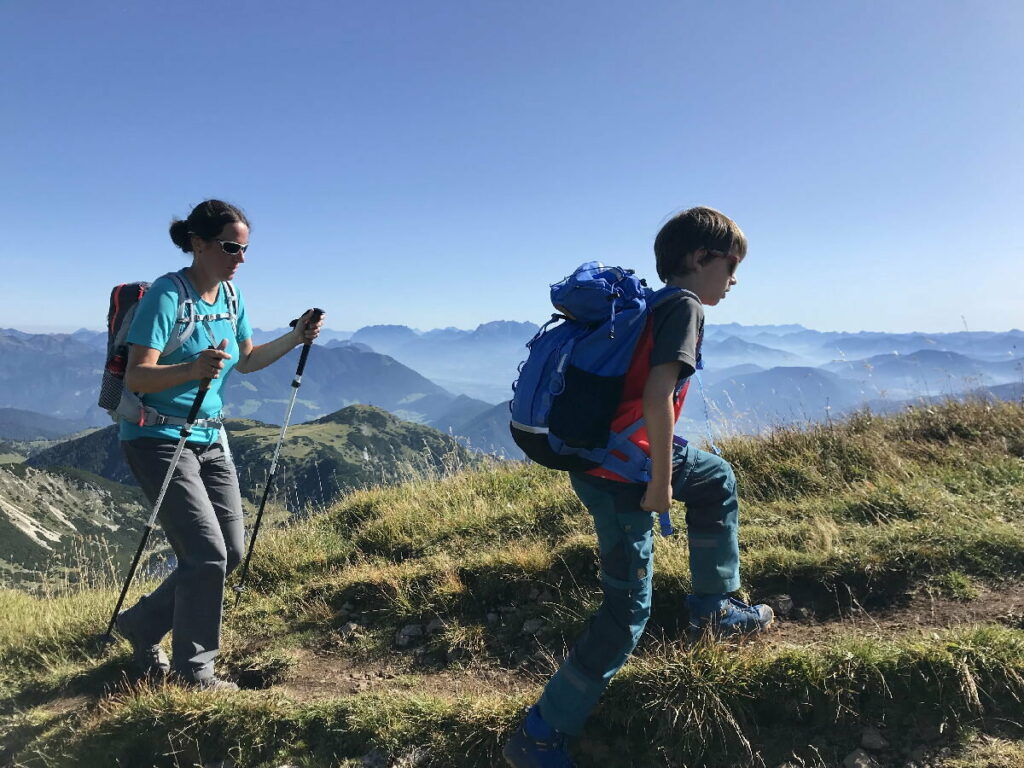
(659, 417)
(252, 358)
(143, 373)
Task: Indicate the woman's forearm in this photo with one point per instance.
(265, 354)
(145, 378)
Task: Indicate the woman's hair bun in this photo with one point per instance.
(180, 235)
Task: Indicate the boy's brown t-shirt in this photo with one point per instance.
(677, 325)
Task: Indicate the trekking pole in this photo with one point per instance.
(296, 383)
(186, 430)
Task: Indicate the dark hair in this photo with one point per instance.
(690, 231)
(206, 221)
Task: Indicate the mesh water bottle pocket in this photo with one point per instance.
(110, 391)
(582, 414)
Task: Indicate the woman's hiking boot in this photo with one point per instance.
(214, 684)
(149, 661)
(718, 616)
(536, 745)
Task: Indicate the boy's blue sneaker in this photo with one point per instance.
(535, 745)
(721, 616)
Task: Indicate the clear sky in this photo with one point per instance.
(439, 163)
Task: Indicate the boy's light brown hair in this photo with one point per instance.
(691, 230)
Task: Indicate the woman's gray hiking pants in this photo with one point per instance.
(202, 518)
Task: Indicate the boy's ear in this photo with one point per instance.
(695, 259)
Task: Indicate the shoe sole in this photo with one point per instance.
(222, 686)
(707, 634)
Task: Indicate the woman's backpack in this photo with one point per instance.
(124, 300)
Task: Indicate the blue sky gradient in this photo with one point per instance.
(438, 164)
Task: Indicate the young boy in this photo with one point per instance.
(698, 251)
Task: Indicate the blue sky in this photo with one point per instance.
(438, 164)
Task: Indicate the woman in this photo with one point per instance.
(202, 510)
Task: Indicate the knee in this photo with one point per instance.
(722, 480)
(629, 611)
(213, 568)
(714, 486)
(712, 504)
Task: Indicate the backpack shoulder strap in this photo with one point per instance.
(661, 294)
(232, 295)
(186, 312)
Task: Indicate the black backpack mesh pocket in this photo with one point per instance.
(581, 416)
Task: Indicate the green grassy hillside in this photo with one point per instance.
(356, 447)
(410, 625)
(359, 445)
(52, 522)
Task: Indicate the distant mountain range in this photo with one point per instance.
(336, 376)
(926, 371)
(16, 424)
(732, 351)
(383, 402)
(819, 347)
(452, 379)
(53, 374)
(480, 363)
(53, 379)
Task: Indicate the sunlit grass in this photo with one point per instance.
(865, 510)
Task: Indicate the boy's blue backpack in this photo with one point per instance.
(571, 383)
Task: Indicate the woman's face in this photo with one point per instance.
(215, 253)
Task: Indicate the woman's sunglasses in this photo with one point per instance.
(229, 247)
(232, 248)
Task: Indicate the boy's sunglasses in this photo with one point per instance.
(734, 260)
(231, 248)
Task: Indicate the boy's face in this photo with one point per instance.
(715, 275)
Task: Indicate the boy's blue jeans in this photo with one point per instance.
(706, 484)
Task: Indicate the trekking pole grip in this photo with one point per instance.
(204, 387)
(313, 319)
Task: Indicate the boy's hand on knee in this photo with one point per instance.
(657, 498)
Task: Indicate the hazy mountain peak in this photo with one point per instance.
(508, 329)
(354, 415)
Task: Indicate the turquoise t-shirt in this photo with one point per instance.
(153, 326)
